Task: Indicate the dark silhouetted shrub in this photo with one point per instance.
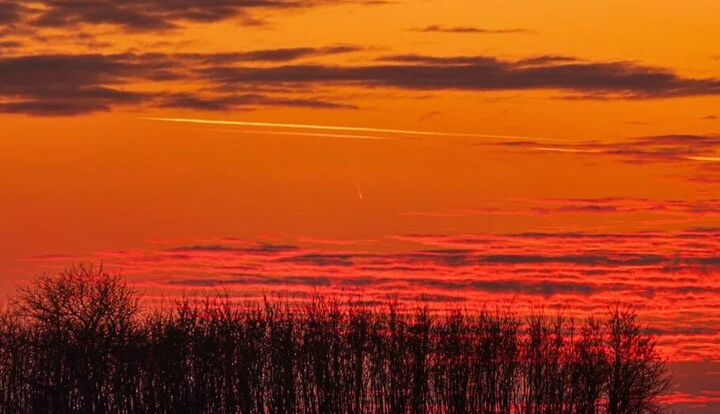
(77, 343)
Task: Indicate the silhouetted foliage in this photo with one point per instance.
(77, 343)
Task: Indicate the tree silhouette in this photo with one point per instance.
(77, 343)
(637, 376)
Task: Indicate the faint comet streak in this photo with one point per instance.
(359, 190)
(347, 128)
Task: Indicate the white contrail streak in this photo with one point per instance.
(569, 150)
(706, 159)
(346, 128)
(305, 134)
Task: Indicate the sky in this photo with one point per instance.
(553, 153)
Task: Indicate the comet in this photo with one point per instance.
(359, 190)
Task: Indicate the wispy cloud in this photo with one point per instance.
(650, 149)
(71, 84)
(68, 84)
(583, 80)
(587, 271)
(145, 16)
(641, 211)
(436, 28)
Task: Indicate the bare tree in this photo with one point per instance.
(638, 376)
(83, 321)
(75, 343)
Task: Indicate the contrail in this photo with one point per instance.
(306, 134)
(347, 128)
(569, 150)
(706, 159)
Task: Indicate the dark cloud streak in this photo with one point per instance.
(650, 149)
(436, 28)
(587, 80)
(68, 84)
(62, 84)
(152, 15)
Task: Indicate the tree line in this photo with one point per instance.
(78, 343)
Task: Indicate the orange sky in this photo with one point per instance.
(548, 152)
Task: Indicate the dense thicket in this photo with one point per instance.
(76, 343)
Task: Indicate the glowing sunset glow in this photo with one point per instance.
(465, 153)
